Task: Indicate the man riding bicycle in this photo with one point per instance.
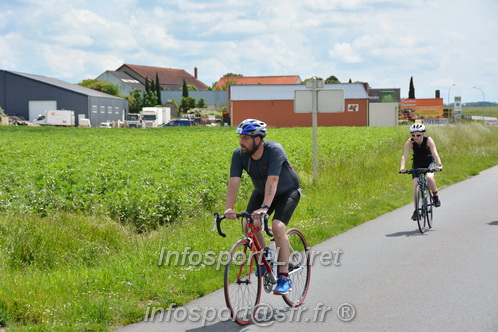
(276, 189)
(424, 156)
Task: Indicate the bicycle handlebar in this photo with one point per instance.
(244, 214)
(420, 170)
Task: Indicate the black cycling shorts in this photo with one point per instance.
(423, 164)
(283, 205)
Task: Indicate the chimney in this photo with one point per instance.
(195, 72)
(438, 94)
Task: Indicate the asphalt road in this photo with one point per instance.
(388, 276)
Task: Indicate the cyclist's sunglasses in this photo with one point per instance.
(417, 135)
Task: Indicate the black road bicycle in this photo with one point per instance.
(424, 204)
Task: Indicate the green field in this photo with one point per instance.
(481, 111)
(85, 213)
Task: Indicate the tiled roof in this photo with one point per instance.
(170, 78)
(286, 92)
(257, 80)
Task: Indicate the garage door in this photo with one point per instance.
(383, 114)
(36, 107)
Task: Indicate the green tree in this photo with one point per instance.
(233, 75)
(187, 103)
(147, 84)
(150, 99)
(411, 91)
(158, 90)
(135, 101)
(306, 80)
(201, 103)
(184, 90)
(105, 87)
(332, 79)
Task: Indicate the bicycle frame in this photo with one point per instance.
(250, 236)
(243, 278)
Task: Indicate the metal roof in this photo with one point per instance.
(65, 85)
(286, 92)
(127, 79)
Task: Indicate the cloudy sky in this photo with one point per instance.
(382, 42)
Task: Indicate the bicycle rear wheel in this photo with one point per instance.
(299, 268)
(242, 285)
(421, 215)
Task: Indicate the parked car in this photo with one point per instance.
(179, 123)
(105, 125)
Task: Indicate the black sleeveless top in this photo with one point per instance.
(422, 155)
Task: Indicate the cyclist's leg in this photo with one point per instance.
(431, 182)
(255, 203)
(415, 184)
(284, 206)
(279, 230)
(432, 186)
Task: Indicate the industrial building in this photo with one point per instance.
(28, 95)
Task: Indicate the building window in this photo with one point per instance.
(109, 109)
(102, 109)
(353, 107)
(116, 110)
(94, 108)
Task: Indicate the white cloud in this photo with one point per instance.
(383, 42)
(9, 56)
(345, 52)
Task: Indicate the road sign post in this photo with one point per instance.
(321, 100)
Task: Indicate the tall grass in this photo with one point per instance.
(71, 271)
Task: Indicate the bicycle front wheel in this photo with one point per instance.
(421, 215)
(299, 268)
(242, 285)
(430, 208)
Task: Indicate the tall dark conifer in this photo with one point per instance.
(411, 92)
(147, 85)
(158, 90)
(185, 90)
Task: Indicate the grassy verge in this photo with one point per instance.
(91, 273)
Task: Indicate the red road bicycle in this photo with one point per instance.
(243, 280)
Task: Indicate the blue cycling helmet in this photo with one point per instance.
(251, 127)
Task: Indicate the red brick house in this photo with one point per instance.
(274, 104)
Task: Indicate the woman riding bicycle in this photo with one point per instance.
(276, 188)
(424, 156)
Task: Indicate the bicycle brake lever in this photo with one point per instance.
(265, 217)
(217, 220)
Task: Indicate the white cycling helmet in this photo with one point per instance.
(417, 127)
